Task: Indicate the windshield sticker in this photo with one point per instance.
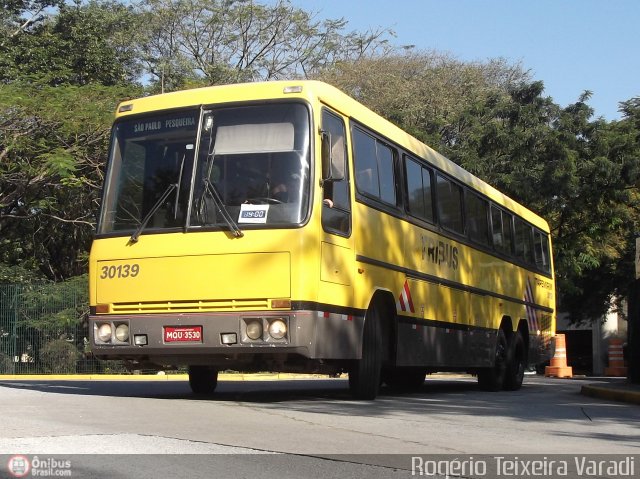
(256, 214)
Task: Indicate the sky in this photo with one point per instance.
(571, 45)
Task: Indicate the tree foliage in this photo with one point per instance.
(424, 92)
(227, 41)
(53, 144)
(18, 16)
(84, 43)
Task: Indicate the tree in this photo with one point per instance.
(51, 168)
(83, 43)
(19, 16)
(226, 41)
(63, 74)
(423, 92)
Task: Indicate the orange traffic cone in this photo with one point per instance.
(558, 367)
(616, 359)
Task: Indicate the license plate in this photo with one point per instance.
(184, 334)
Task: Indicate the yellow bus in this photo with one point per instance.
(283, 226)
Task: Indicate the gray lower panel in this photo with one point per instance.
(435, 346)
(314, 336)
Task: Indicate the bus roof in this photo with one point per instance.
(312, 91)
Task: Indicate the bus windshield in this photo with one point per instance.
(250, 169)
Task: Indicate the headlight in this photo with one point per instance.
(278, 329)
(122, 332)
(254, 329)
(104, 332)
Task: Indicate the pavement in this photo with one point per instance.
(611, 389)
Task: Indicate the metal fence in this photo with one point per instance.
(44, 330)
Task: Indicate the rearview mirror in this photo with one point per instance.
(332, 165)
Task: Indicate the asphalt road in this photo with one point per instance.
(314, 426)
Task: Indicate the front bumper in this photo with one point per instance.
(310, 334)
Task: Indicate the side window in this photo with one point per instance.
(386, 177)
(336, 207)
(507, 231)
(374, 165)
(524, 241)
(477, 218)
(501, 230)
(541, 248)
(449, 202)
(419, 191)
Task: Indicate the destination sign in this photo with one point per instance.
(160, 124)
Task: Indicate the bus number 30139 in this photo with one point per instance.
(120, 271)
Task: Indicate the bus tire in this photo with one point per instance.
(492, 379)
(203, 379)
(516, 364)
(364, 374)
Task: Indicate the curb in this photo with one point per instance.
(612, 394)
(157, 377)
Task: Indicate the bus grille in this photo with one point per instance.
(190, 306)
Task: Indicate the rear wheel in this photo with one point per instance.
(364, 375)
(492, 379)
(516, 363)
(203, 379)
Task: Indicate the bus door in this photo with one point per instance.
(337, 252)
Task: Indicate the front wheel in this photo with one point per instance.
(203, 379)
(364, 375)
(492, 379)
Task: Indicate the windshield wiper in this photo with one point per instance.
(222, 209)
(175, 206)
(210, 188)
(152, 211)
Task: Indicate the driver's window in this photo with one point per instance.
(336, 206)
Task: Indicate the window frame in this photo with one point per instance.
(326, 210)
(365, 196)
(461, 188)
(468, 193)
(407, 203)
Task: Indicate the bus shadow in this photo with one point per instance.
(263, 391)
(535, 402)
(438, 401)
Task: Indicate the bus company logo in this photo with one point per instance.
(18, 466)
(439, 252)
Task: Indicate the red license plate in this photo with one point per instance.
(184, 334)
